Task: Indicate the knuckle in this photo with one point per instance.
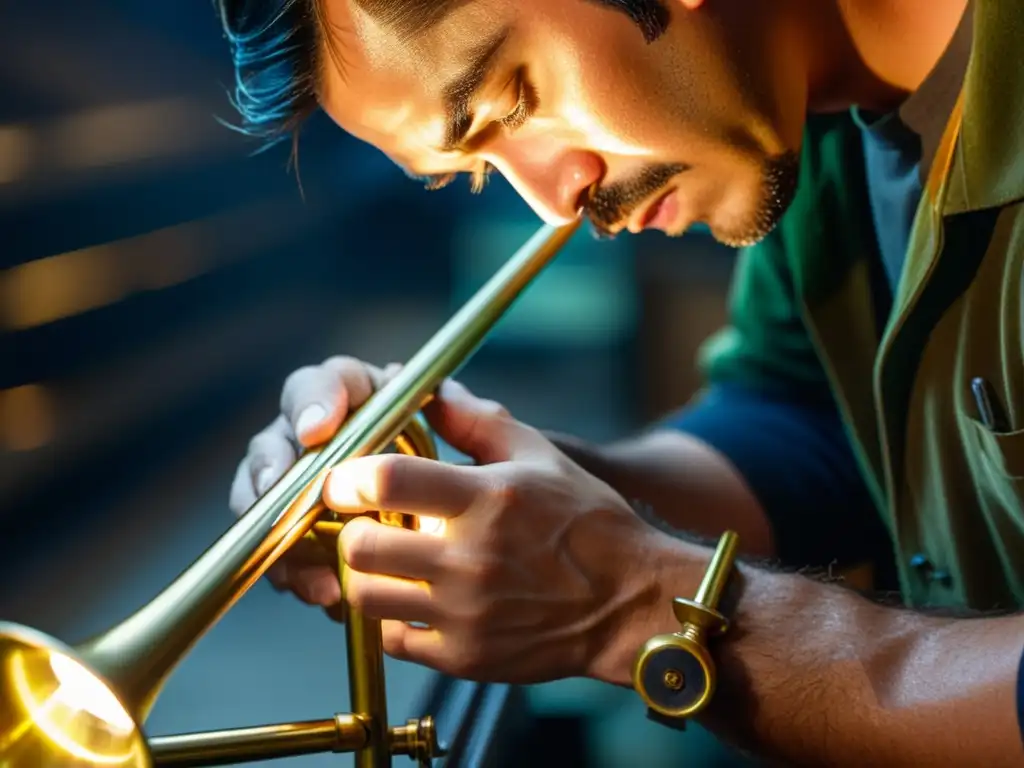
(349, 373)
(468, 661)
(483, 574)
(388, 478)
(342, 362)
(492, 410)
(296, 380)
(356, 378)
(263, 444)
(359, 545)
(504, 490)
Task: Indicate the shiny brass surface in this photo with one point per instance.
(343, 733)
(417, 739)
(367, 692)
(54, 712)
(46, 719)
(675, 674)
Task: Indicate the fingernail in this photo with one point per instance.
(452, 390)
(309, 418)
(264, 479)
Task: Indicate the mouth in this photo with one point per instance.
(660, 214)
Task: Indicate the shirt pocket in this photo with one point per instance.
(1002, 452)
(997, 538)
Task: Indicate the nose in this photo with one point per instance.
(552, 183)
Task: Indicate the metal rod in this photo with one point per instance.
(345, 733)
(366, 683)
(137, 655)
(716, 576)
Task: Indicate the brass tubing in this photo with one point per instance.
(344, 733)
(715, 577)
(366, 684)
(136, 656)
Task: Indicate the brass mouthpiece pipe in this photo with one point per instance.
(343, 733)
(136, 656)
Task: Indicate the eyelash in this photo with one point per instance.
(513, 121)
(525, 107)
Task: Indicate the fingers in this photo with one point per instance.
(436, 649)
(313, 584)
(367, 546)
(421, 645)
(316, 399)
(482, 429)
(396, 599)
(398, 483)
(271, 453)
(310, 570)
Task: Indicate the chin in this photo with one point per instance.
(755, 212)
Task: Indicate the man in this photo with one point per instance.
(868, 157)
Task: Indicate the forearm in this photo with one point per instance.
(814, 674)
(685, 482)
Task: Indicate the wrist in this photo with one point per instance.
(663, 568)
(592, 458)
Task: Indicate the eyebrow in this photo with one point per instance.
(462, 89)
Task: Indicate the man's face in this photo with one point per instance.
(563, 97)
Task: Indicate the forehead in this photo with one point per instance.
(388, 88)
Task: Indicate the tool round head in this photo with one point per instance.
(57, 713)
(674, 675)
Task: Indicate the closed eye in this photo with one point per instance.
(526, 105)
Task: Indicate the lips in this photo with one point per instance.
(657, 214)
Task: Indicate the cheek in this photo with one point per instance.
(581, 107)
(675, 100)
(613, 92)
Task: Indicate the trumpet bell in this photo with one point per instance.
(55, 712)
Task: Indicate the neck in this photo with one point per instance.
(873, 53)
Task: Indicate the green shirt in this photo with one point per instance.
(803, 315)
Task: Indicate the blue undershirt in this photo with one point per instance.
(794, 486)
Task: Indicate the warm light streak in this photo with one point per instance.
(432, 526)
(67, 284)
(78, 693)
(107, 136)
(27, 418)
(17, 152)
(588, 128)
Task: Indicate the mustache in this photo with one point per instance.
(616, 202)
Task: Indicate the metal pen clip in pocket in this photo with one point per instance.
(990, 410)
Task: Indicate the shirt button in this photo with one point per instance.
(927, 570)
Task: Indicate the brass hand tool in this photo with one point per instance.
(675, 674)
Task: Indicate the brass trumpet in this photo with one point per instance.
(87, 705)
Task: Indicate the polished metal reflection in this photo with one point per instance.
(84, 706)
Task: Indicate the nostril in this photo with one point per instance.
(585, 198)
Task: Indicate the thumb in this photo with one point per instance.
(482, 429)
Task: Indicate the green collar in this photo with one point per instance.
(988, 168)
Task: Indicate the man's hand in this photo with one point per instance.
(314, 403)
(539, 566)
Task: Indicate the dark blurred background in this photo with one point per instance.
(157, 284)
